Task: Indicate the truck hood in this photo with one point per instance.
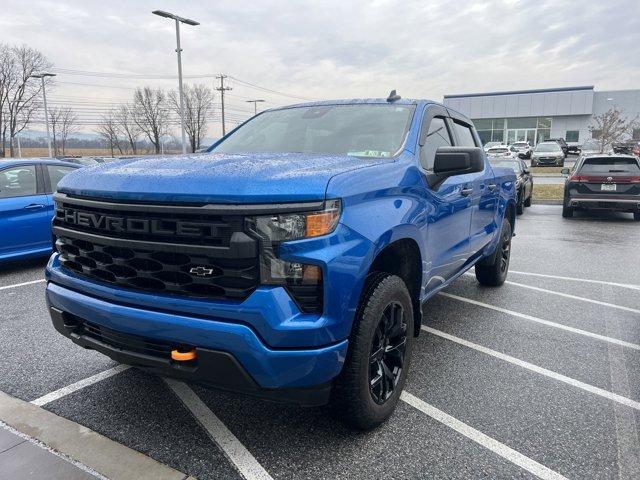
(214, 178)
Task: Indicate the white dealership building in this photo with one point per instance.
(535, 115)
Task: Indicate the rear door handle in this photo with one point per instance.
(466, 191)
(493, 187)
(34, 206)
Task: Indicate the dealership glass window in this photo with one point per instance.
(596, 134)
(544, 134)
(636, 134)
(544, 122)
(485, 136)
(483, 124)
(572, 135)
(490, 129)
(525, 122)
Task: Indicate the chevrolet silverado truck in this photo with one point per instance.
(291, 260)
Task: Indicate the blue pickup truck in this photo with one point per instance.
(292, 259)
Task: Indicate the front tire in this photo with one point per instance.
(495, 273)
(368, 389)
(527, 202)
(636, 216)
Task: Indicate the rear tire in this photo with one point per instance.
(520, 204)
(527, 202)
(494, 274)
(636, 216)
(567, 212)
(368, 389)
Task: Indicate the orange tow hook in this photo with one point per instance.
(183, 356)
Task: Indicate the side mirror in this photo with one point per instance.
(450, 161)
(525, 170)
(564, 171)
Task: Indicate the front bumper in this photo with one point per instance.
(230, 355)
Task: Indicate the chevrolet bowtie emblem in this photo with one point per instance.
(201, 271)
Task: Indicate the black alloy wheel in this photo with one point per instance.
(505, 252)
(387, 356)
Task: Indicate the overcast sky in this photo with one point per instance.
(331, 49)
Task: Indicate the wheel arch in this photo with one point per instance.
(403, 258)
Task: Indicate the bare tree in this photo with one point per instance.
(611, 127)
(109, 131)
(55, 121)
(150, 113)
(21, 93)
(198, 105)
(128, 126)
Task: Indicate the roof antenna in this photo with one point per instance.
(393, 96)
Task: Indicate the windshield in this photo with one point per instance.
(363, 130)
(610, 165)
(498, 150)
(515, 166)
(548, 147)
(520, 144)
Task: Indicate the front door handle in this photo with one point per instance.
(493, 187)
(466, 191)
(34, 206)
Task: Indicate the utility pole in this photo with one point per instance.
(255, 105)
(222, 89)
(42, 76)
(178, 21)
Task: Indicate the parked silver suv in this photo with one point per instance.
(547, 154)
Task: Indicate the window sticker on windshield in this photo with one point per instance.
(369, 153)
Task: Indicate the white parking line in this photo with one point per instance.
(543, 322)
(477, 436)
(7, 287)
(575, 279)
(574, 297)
(79, 385)
(235, 451)
(535, 368)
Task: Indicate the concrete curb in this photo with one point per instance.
(109, 458)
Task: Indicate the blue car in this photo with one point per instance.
(291, 260)
(26, 206)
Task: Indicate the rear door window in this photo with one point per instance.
(56, 172)
(464, 134)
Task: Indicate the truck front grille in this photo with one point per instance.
(162, 250)
(158, 271)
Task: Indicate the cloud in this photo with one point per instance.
(337, 49)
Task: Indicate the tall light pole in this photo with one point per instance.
(255, 105)
(42, 76)
(178, 21)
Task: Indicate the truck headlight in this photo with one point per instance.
(294, 226)
(303, 281)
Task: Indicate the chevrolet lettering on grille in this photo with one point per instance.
(119, 224)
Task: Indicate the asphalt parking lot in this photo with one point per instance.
(538, 378)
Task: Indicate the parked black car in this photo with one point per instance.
(524, 180)
(603, 182)
(563, 145)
